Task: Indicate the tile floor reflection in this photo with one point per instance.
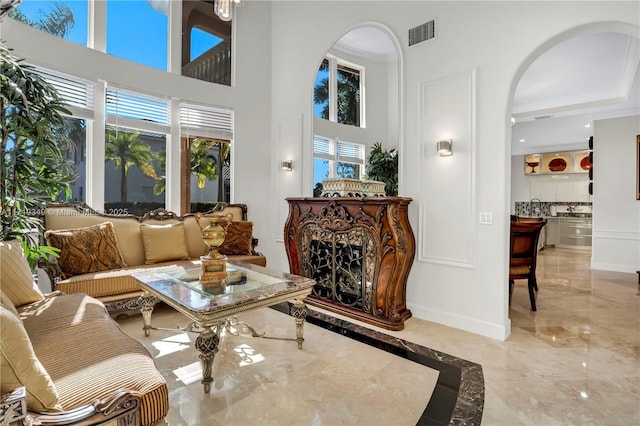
(576, 361)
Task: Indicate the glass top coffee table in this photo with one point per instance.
(212, 306)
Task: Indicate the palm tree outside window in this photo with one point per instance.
(338, 94)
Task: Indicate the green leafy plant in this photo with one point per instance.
(382, 165)
(33, 147)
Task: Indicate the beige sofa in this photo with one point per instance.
(108, 276)
(64, 360)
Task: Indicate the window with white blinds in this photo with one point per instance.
(334, 158)
(206, 121)
(336, 150)
(76, 92)
(134, 110)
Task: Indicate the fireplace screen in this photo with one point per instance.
(342, 263)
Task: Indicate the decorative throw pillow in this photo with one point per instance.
(85, 250)
(21, 367)
(15, 275)
(164, 242)
(238, 238)
(6, 303)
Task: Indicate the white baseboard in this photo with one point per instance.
(483, 328)
(615, 267)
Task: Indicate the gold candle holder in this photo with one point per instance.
(214, 231)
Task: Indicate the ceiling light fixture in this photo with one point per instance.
(224, 8)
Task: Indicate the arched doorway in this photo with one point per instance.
(600, 64)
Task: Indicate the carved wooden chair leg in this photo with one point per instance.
(532, 293)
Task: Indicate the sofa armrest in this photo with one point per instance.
(120, 408)
(13, 406)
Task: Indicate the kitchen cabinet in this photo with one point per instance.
(560, 188)
(575, 233)
(580, 191)
(552, 232)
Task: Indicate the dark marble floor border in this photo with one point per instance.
(458, 397)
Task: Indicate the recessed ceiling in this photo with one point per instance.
(368, 42)
(585, 78)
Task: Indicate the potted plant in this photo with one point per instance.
(33, 144)
(382, 165)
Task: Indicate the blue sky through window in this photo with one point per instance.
(36, 9)
(201, 41)
(317, 108)
(135, 31)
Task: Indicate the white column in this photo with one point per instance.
(97, 25)
(173, 194)
(95, 150)
(174, 43)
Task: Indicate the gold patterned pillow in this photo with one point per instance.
(238, 238)
(164, 242)
(85, 250)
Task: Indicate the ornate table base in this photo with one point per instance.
(210, 335)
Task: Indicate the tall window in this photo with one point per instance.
(338, 92)
(78, 95)
(135, 151)
(138, 31)
(77, 133)
(206, 134)
(63, 18)
(334, 158)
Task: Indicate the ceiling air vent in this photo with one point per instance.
(422, 32)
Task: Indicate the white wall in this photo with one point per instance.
(458, 85)
(616, 212)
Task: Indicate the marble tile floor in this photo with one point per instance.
(576, 361)
(333, 380)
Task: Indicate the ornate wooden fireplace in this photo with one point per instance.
(359, 251)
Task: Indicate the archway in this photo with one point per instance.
(621, 102)
(356, 101)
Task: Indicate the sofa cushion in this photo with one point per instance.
(164, 242)
(89, 357)
(238, 238)
(15, 274)
(112, 282)
(6, 303)
(21, 367)
(84, 250)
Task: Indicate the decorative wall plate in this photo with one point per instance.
(581, 161)
(556, 162)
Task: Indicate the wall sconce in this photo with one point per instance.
(444, 147)
(287, 165)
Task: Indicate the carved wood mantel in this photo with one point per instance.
(359, 251)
